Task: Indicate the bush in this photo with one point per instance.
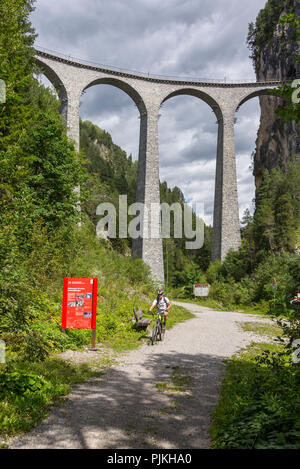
(259, 405)
(229, 289)
(279, 266)
(213, 272)
(237, 263)
(21, 383)
(243, 292)
(222, 291)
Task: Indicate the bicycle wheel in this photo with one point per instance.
(163, 330)
(159, 332)
(154, 334)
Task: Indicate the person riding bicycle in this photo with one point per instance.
(162, 304)
(296, 299)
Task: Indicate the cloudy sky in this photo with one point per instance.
(184, 38)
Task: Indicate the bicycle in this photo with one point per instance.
(158, 330)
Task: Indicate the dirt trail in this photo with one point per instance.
(159, 396)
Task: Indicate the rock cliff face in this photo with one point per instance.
(276, 141)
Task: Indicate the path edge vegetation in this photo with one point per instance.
(259, 405)
(29, 389)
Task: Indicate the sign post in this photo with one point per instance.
(79, 308)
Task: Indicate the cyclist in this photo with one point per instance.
(295, 300)
(162, 304)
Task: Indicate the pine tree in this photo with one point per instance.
(16, 67)
(285, 235)
(264, 217)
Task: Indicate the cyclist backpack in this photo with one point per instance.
(164, 299)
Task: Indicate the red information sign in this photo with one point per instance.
(79, 303)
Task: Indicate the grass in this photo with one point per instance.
(207, 302)
(19, 412)
(260, 402)
(259, 310)
(260, 328)
(179, 383)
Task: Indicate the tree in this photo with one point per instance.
(16, 68)
(248, 235)
(285, 235)
(264, 217)
(290, 92)
(39, 169)
(261, 32)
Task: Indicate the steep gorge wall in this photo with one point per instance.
(276, 141)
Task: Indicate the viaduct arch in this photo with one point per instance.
(71, 78)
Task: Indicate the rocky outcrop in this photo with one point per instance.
(276, 141)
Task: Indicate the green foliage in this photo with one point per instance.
(28, 388)
(189, 275)
(54, 170)
(246, 290)
(30, 344)
(110, 171)
(213, 272)
(16, 66)
(39, 169)
(259, 405)
(20, 383)
(290, 326)
(261, 33)
(275, 266)
(290, 109)
(264, 218)
(237, 263)
(259, 36)
(269, 241)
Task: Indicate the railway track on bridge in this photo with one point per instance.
(151, 77)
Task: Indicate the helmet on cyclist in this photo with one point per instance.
(160, 292)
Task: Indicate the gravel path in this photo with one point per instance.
(135, 403)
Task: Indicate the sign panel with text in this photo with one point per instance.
(201, 290)
(79, 303)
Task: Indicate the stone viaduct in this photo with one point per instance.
(71, 78)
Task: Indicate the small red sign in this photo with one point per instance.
(79, 306)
